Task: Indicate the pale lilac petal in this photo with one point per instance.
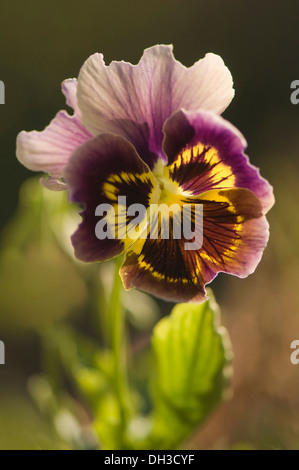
(69, 89)
(206, 86)
(49, 151)
(135, 101)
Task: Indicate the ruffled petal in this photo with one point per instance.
(49, 150)
(99, 172)
(134, 101)
(205, 152)
(234, 235)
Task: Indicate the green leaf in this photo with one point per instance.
(193, 357)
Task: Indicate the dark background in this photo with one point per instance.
(42, 43)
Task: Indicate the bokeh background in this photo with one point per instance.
(41, 44)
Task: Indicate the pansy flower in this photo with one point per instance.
(153, 133)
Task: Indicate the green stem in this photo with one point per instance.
(116, 315)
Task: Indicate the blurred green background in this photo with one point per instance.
(41, 44)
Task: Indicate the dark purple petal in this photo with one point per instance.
(206, 152)
(99, 171)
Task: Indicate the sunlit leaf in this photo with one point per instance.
(193, 357)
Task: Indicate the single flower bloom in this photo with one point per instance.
(152, 132)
